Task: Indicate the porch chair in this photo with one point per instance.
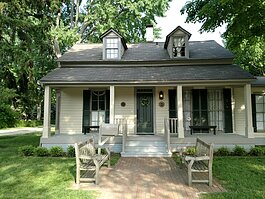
(89, 160)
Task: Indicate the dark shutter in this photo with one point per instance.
(254, 119)
(86, 110)
(172, 94)
(107, 106)
(227, 111)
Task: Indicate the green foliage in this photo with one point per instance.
(28, 123)
(8, 117)
(223, 151)
(239, 151)
(27, 150)
(190, 151)
(129, 17)
(41, 151)
(257, 151)
(245, 33)
(57, 151)
(71, 151)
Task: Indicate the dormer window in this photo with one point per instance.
(177, 43)
(114, 45)
(178, 48)
(112, 48)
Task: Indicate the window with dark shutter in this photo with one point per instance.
(86, 109)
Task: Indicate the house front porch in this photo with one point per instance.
(155, 145)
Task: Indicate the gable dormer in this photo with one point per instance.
(114, 45)
(177, 43)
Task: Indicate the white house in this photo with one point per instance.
(159, 93)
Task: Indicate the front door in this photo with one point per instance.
(145, 112)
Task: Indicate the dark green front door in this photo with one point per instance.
(144, 113)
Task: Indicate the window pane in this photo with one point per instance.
(259, 107)
(112, 43)
(94, 105)
(260, 126)
(101, 105)
(111, 53)
(259, 99)
(259, 117)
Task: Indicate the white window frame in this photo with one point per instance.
(112, 47)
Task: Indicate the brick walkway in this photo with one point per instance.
(148, 178)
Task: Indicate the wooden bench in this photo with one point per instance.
(89, 160)
(201, 162)
(88, 129)
(201, 128)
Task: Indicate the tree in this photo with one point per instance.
(26, 52)
(245, 33)
(93, 17)
(34, 33)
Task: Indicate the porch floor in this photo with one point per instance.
(148, 178)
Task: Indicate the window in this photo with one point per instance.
(260, 112)
(98, 107)
(216, 109)
(178, 47)
(112, 48)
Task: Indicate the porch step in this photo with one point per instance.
(145, 146)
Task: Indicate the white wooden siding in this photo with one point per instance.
(160, 112)
(71, 110)
(126, 94)
(239, 110)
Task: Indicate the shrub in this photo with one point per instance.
(71, 151)
(56, 151)
(28, 123)
(41, 151)
(191, 151)
(27, 150)
(257, 151)
(239, 151)
(222, 151)
(8, 116)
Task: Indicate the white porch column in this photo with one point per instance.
(57, 117)
(47, 113)
(111, 108)
(180, 112)
(249, 132)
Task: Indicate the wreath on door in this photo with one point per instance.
(144, 102)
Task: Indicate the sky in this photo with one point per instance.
(174, 18)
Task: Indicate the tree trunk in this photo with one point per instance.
(72, 13)
(77, 12)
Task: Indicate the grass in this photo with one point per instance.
(243, 177)
(37, 177)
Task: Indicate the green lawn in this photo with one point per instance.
(35, 177)
(243, 177)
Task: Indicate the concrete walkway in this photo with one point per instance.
(19, 131)
(145, 178)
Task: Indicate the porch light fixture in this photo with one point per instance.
(161, 95)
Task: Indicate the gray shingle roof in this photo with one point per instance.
(260, 81)
(146, 52)
(162, 74)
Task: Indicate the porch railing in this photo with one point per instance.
(122, 130)
(167, 134)
(173, 125)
